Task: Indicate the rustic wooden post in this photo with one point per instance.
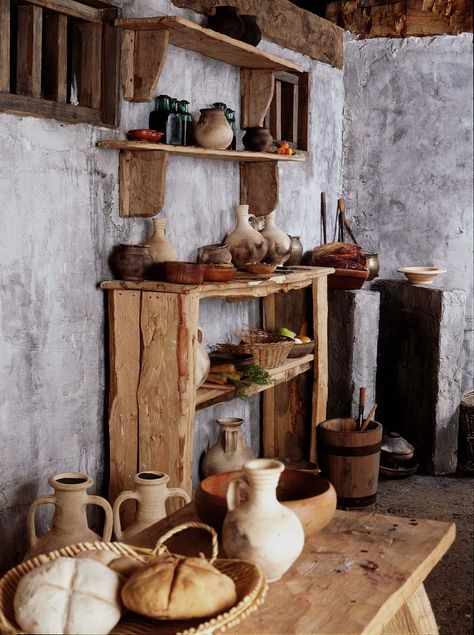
(320, 332)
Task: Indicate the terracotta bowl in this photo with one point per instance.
(310, 496)
(184, 272)
(219, 273)
(421, 275)
(347, 279)
(298, 350)
(258, 267)
(145, 134)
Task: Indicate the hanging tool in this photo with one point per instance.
(323, 217)
(349, 230)
(360, 417)
(341, 208)
(369, 418)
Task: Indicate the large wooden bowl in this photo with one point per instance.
(310, 496)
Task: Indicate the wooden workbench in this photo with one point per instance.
(362, 574)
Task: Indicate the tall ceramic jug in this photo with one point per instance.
(70, 499)
(159, 247)
(203, 362)
(246, 244)
(151, 492)
(278, 242)
(230, 451)
(260, 529)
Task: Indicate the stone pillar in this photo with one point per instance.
(420, 367)
(353, 327)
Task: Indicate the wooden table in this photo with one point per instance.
(363, 573)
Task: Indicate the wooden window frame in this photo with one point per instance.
(59, 59)
(287, 116)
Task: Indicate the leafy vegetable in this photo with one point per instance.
(254, 374)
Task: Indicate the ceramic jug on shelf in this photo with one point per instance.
(260, 529)
(69, 524)
(213, 130)
(278, 241)
(151, 492)
(159, 247)
(246, 244)
(230, 451)
(203, 362)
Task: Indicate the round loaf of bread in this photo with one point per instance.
(68, 595)
(175, 588)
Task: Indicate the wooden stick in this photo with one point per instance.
(361, 407)
(323, 217)
(369, 418)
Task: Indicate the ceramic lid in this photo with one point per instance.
(395, 444)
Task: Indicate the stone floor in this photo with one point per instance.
(450, 584)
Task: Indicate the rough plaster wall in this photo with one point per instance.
(408, 156)
(59, 222)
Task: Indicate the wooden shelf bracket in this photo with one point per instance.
(142, 182)
(259, 187)
(143, 56)
(256, 90)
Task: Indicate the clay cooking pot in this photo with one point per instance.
(257, 139)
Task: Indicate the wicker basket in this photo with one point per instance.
(267, 355)
(466, 429)
(250, 582)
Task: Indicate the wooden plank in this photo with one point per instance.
(166, 389)
(126, 64)
(150, 51)
(256, 90)
(275, 113)
(415, 617)
(189, 35)
(200, 153)
(352, 577)
(320, 334)
(142, 181)
(109, 94)
(28, 70)
(259, 187)
(303, 111)
(4, 46)
(288, 26)
(34, 107)
(71, 8)
(54, 62)
(124, 355)
(86, 63)
(268, 402)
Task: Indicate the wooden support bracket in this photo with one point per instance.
(259, 186)
(256, 91)
(143, 56)
(142, 182)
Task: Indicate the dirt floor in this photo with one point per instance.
(450, 584)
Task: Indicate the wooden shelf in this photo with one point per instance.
(239, 289)
(212, 394)
(193, 37)
(201, 153)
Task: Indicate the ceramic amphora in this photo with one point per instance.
(246, 244)
(278, 242)
(230, 451)
(213, 130)
(69, 524)
(151, 492)
(260, 529)
(159, 247)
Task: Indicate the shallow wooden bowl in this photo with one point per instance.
(298, 350)
(310, 496)
(184, 272)
(219, 273)
(258, 267)
(347, 279)
(421, 275)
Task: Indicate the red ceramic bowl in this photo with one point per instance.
(184, 272)
(310, 496)
(219, 273)
(347, 279)
(145, 134)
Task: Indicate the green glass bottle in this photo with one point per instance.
(173, 125)
(159, 116)
(186, 120)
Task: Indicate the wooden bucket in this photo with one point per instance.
(350, 460)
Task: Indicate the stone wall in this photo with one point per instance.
(58, 225)
(408, 157)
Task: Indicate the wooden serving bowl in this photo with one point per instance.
(310, 496)
(298, 350)
(258, 267)
(178, 272)
(219, 273)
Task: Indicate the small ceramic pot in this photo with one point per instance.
(132, 261)
(373, 265)
(296, 251)
(226, 20)
(257, 139)
(252, 33)
(212, 130)
(214, 254)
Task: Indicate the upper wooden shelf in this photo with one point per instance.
(189, 35)
(242, 288)
(201, 153)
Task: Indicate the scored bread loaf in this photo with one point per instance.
(68, 595)
(174, 587)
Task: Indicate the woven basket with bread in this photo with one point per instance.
(110, 587)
